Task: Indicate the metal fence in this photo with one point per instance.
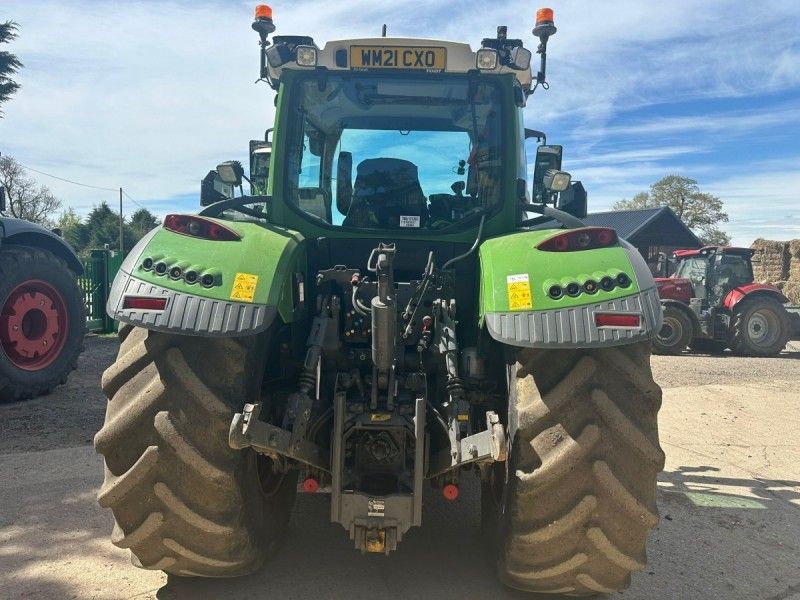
(99, 270)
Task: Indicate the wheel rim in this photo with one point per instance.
(33, 325)
(763, 328)
(670, 331)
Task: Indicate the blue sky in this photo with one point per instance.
(150, 95)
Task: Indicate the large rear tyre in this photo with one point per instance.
(675, 333)
(760, 326)
(42, 322)
(570, 510)
(183, 501)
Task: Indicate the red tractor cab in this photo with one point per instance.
(710, 303)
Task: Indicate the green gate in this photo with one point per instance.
(99, 270)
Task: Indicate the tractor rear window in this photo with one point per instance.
(395, 152)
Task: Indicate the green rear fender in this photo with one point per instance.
(516, 307)
(255, 279)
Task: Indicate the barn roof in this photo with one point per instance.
(652, 226)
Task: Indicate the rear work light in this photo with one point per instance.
(586, 238)
(144, 303)
(617, 320)
(200, 228)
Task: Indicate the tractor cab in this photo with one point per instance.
(401, 135)
(711, 272)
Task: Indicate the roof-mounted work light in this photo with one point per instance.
(306, 56)
(263, 25)
(487, 59)
(544, 28)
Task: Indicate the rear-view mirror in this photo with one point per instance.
(260, 157)
(547, 158)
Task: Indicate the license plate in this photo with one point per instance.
(398, 57)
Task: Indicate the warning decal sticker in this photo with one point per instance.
(244, 287)
(519, 292)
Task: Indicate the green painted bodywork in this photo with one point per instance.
(272, 253)
(516, 254)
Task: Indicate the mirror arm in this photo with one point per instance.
(553, 213)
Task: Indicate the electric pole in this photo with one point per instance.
(121, 222)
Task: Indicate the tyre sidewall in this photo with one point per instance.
(55, 272)
(677, 318)
(740, 340)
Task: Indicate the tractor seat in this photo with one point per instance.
(387, 195)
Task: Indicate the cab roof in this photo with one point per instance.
(705, 250)
(459, 57)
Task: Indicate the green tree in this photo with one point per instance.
(700, 211)
(141, 222)
(102, 225)
(73, 230)
(25, 198)
(9, 64)
(101, 228)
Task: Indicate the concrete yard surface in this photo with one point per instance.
(729, 499)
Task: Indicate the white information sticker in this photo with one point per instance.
(409, 221)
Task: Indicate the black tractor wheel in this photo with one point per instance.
(760, 326)
(675, 333)
(42, 322)
(183, 501)
(569, 512)
(707, 346)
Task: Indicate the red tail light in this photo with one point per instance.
(200, 228)
(617, 320)
(144, 303)
(586, 238)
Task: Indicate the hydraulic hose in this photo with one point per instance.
(455, 259)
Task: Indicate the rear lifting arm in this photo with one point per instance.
(247, 429)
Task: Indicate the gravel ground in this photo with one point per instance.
(729, 498)
(71, 415)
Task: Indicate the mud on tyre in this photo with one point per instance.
(580, 483)
(183, 501)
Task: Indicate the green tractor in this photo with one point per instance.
(400, 311)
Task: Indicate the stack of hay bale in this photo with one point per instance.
(778, 263)
(792, 287)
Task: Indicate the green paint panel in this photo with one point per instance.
(271, 253)
(516, 255)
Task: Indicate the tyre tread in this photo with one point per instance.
(584, 460)
(185, 502)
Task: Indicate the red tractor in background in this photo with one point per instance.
(711, 303)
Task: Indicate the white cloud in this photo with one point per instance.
(150, 95)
